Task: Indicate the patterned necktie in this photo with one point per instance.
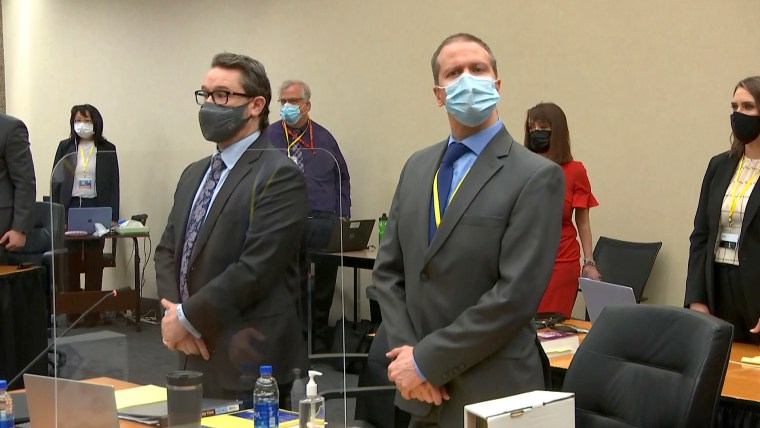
(195, 221)
(298, 154)
(445, 174)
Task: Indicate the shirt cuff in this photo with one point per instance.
(185, 322)
(416, 367)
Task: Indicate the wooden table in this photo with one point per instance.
(79, 301)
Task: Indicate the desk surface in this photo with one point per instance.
(110, 235)
(742, 380)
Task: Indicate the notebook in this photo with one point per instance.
(79, 404)
(355, 234)
(84, 219)
(598, 294)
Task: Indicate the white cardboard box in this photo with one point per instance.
(536, 409)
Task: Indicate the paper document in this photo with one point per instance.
(140, 395)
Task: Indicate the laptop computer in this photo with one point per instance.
(598, 294)
(79, 404)
(84, 219)
(355, 234)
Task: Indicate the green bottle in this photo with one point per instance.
(381, 227)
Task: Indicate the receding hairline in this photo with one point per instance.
(458, 38)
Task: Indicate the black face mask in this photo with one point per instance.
(538, 140)
(746, 128)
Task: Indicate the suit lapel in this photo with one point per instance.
(720, 184)
(480, 173)
(237, 174)
(749, 212)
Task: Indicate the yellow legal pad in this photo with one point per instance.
(751, 360)
(140, 395)
(244, 419)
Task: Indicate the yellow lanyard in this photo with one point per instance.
(86, 161)
(294, 141)
(734, 196)
(437, 202)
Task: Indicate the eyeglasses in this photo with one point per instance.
(219, 98)
(284, 101)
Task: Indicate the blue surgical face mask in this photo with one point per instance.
(471, 99)
(290, 113)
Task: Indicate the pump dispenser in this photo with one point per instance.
(311, 410)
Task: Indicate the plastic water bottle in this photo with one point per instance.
(382, 221)
(6, 406)
(266, 400)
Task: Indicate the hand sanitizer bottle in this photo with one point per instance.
(311, 410)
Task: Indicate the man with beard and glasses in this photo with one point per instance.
(226, 266)
(468, 251)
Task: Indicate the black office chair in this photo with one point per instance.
(650, 366)
(374, 394)
(626, 263)
(44, 243)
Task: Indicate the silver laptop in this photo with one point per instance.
(84, 219)
(355, 234)
(598, 294)
(78, 404)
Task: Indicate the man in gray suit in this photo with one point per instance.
(17, 185)
(468, 251)
(226, 266)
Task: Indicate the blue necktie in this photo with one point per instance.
(195, 221)
(445, 173)
(295, 151)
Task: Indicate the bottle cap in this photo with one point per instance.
(311, 387)
(265, 369)
(3, 384)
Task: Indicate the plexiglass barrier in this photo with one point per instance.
(241, 249)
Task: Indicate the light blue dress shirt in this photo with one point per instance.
(230, 156)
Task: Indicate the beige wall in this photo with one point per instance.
(645, 84)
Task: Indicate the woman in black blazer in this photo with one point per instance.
(724, 258)
(86, 174)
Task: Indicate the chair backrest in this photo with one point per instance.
(379, 409)
(626, 263)
(650, 366)
(47, 223)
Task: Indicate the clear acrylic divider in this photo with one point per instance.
(250, 297)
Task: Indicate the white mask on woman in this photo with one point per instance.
(84, 129)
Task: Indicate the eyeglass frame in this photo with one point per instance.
(201, 93)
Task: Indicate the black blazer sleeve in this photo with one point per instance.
(699, 254)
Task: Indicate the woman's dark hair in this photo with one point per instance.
(559, 145)
(97, 121)
(752, 85)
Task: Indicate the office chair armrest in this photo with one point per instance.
(362, 391)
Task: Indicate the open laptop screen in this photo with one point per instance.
(598, 294)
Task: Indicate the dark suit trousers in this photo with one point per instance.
(731, 302)
(317, 234)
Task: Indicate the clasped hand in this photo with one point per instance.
(403, 373)
(175, 335)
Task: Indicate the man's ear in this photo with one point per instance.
(308, 107)
(256, 106)
(440, 96)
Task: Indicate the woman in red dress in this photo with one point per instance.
(546, 133)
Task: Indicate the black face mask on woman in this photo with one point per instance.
(538, 140)
(746, 128)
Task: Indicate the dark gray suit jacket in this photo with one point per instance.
(466, 301)
(242, 268)
(17, 183)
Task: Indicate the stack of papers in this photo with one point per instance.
(147, 405)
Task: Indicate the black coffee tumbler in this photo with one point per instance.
(184, 390)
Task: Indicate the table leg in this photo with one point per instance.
(138, 289)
